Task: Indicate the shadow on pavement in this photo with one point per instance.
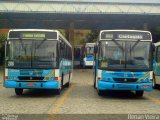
(121, 95)
(39, 93)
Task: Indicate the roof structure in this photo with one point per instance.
(90, 14)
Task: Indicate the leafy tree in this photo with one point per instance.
(92, 37)
(156, 34)
(3, 37)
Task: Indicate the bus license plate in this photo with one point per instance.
(30, 84)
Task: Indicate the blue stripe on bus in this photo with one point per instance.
(103, 85)
(25, 85)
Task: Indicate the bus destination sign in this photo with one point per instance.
(126, 35)
(33, 34)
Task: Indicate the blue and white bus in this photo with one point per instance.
(37, 59)
(156, 66)
(88, 54)
(123, 61)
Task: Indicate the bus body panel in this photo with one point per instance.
(66, 69)
(88, 62)
(112, 80)
(156, 63)
(124, 86)
(31, 85)
(32, 78)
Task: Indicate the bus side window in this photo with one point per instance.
(61, 50)
(158, 54)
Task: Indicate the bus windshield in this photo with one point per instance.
(125, 55)
(31, 53)
(90, 50)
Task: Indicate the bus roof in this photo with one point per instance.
(41, 30)
(125, 35)
(90, 44)
(125, 30)
(33, 30)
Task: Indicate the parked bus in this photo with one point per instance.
(88, 54)
(123, 61)
(156, 66)
(37, 59)
(78, 56)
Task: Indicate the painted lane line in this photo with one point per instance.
(60, 103)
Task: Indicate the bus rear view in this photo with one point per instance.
(124, 61)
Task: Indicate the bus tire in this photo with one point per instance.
(94, 79)
(62, 82)
(139, 93)
(94, 83)
(57, 91)
(18, 91)
(100, 92)
(154, 82)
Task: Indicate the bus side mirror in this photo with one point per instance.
(95, 49)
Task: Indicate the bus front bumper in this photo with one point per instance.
(88, 63)
(30, 85)
(103, 85)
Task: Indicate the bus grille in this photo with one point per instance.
(125, 79)
(30, 78)
(31, 72)
(123, 75)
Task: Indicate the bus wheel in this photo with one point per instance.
(57, 91)
(94, 83)
(18, 91)
(154, 82)
(139, 93)
(62, 81)
(100, 92)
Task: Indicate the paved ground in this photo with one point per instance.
(80, 100)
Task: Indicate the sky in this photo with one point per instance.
(128, 1)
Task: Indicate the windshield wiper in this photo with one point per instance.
(38, 45)
(41, 43)
(118, 44)
(24, 48)
(135, 44)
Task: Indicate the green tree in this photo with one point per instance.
(156, 34)
(3, 37)
(92, 36)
